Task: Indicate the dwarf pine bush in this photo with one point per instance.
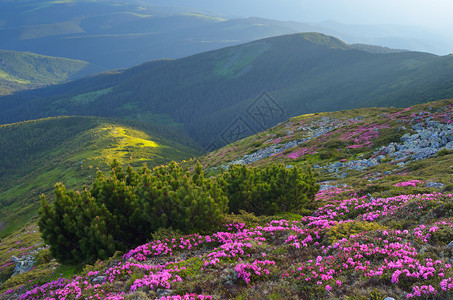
(269, 190)
(121, 211)
(124, 209)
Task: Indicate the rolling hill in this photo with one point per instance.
(118, 34)
(34, 155)
(383, 226)
(25, 70)
(218, 96)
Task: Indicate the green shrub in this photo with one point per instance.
(345, 230)
(128, 208)
(166, 233)
(269, 190)
(121, 211)
(444, 152)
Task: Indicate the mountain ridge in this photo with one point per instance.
(208, 92)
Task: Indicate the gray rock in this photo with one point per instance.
(164, 293)
(389, 298)
(405, 137)
(380, 158)
(449, 136)
(337, 165)
(418, 126)
(450, 245)
(434, 185)
(98, 280)
(229, 276)
(432, 123)
(23, 264)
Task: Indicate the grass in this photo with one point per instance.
(116, 138)
(16, 244)
(71, 150)
(331, 149)
(125, 141)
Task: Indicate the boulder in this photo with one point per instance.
(23, 264)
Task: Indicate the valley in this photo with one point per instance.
(207, 93)
(152, 150)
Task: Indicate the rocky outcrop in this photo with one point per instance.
(426, 142)
(429, 138)
(26, 262)
(315, 129)
(23, 264)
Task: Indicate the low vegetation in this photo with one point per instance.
(372, 231)
(123, 210)
(34, 155)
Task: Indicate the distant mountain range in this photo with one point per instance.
(117, 34)
(218, 96)
(25, 70)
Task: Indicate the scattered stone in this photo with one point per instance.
(389, 298)
(161, 293)
(229, 276)
(98, 280)
(434, 185)
(23, 264)
(450, 245)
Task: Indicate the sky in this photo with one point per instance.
(436, 14)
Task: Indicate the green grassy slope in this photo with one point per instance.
(35, 155)
(347, 137)
(388, 217)
(23, 70)
(209, 93)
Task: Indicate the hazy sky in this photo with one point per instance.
(426, 13)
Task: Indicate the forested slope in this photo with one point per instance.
(213, 92)
(35, 155)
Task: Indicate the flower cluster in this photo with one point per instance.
(386, 254)
(409, 183)
(242, 269)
